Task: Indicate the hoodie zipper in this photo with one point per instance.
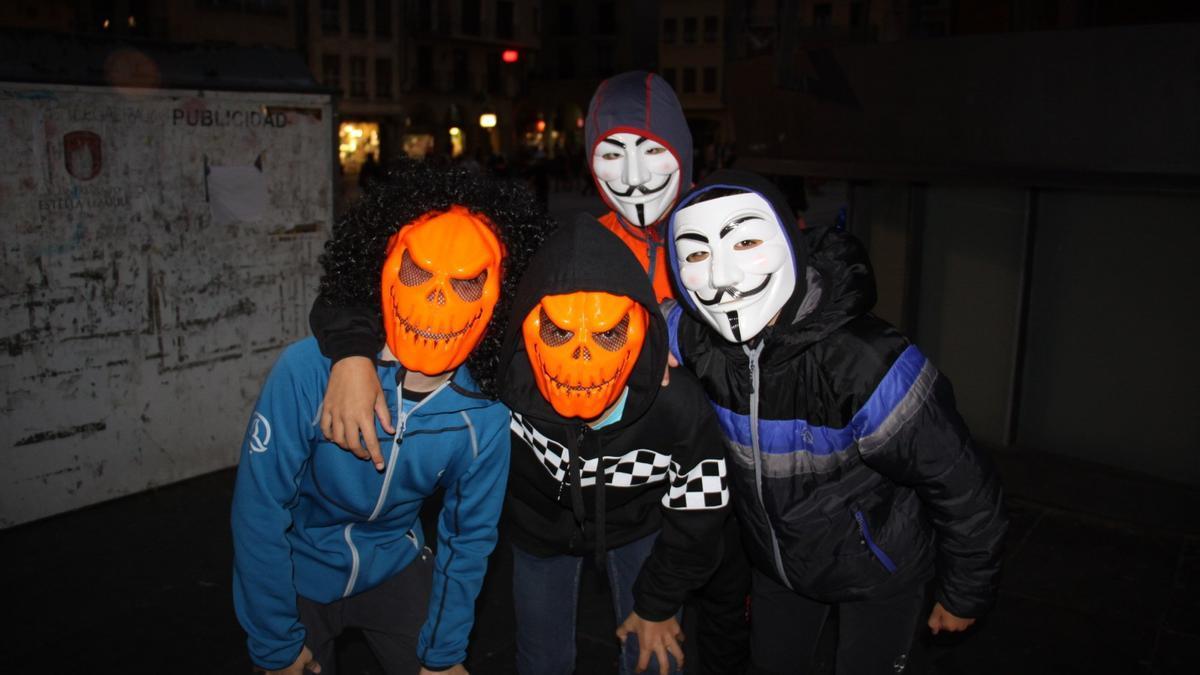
(753, 354)
(397, 439)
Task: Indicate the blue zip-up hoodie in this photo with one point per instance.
(311, 519)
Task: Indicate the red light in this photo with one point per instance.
(541, 125)
(510, 56)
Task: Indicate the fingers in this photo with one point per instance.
(622, 633)
(372, 442)
(326, 423)
(643, 658)
(666, 376)
(672, 361)
(384, 413)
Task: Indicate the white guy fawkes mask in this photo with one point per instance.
(638, 176)
(736, 263)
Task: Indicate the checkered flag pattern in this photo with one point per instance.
(704, 487)
(633, 469)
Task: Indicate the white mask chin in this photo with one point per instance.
(638, 176)
(735, 262)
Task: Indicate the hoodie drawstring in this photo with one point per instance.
(577, 508)
(576, 489)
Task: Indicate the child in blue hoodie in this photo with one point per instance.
(323, 541)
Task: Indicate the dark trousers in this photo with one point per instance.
(390, 616)
(874, 636)
(546, 597)
(719, 641)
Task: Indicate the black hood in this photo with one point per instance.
(583, 256)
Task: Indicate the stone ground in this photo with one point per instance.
(1102, 576)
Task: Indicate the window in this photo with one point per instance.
(331, 71)
(689, 30)
(566, 60)
(566, 18)
(383, 78)
(669, 27)
(470, 17)
(710, 29)
(461, 73)
(358, 17)
(604, 59)
(858, 14)
(494, 82)
(424, 19)
(358, 77)
(606, 18)
(668, 74)
(710, 80)
(425, 67)
(383, 19)
(504, 20)
(331, 17)
(689, 80)
(823, 14)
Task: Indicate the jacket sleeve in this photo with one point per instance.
(695, 506)
(910, 431)
(343, 331)
(466, 537)
(276, 449)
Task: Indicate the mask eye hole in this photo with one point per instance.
(614, 338)
(696, 256)
(550, 333)
(411, 273)
(746, 244)
(469, 289)
(658, 150)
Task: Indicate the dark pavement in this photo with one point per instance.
(1102, 576)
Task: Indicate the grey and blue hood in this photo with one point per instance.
(639, 102)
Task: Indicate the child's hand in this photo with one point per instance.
(353, 398)
(303, 664)
(654, 637)
(940, 619)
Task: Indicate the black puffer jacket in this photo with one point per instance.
(854, 471)
(663, 461)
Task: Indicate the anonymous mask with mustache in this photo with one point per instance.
(735, 262)
(638, 176)
(582, 347)
(441, 280)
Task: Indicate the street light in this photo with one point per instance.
(487, 120)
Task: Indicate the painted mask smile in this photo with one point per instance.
(733, 293)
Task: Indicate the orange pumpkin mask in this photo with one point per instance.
(441, 280)
(582, 347)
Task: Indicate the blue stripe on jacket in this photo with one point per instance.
(783, 436)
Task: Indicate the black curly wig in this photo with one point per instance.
(354, 256)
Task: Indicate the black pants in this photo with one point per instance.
(874, 636)
(390, 616)
(719, 642)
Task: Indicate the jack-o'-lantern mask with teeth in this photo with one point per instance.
(441, 280)
(582, 347)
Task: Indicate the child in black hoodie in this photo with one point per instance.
(654, 521)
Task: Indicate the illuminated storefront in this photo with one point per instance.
(357, 141)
